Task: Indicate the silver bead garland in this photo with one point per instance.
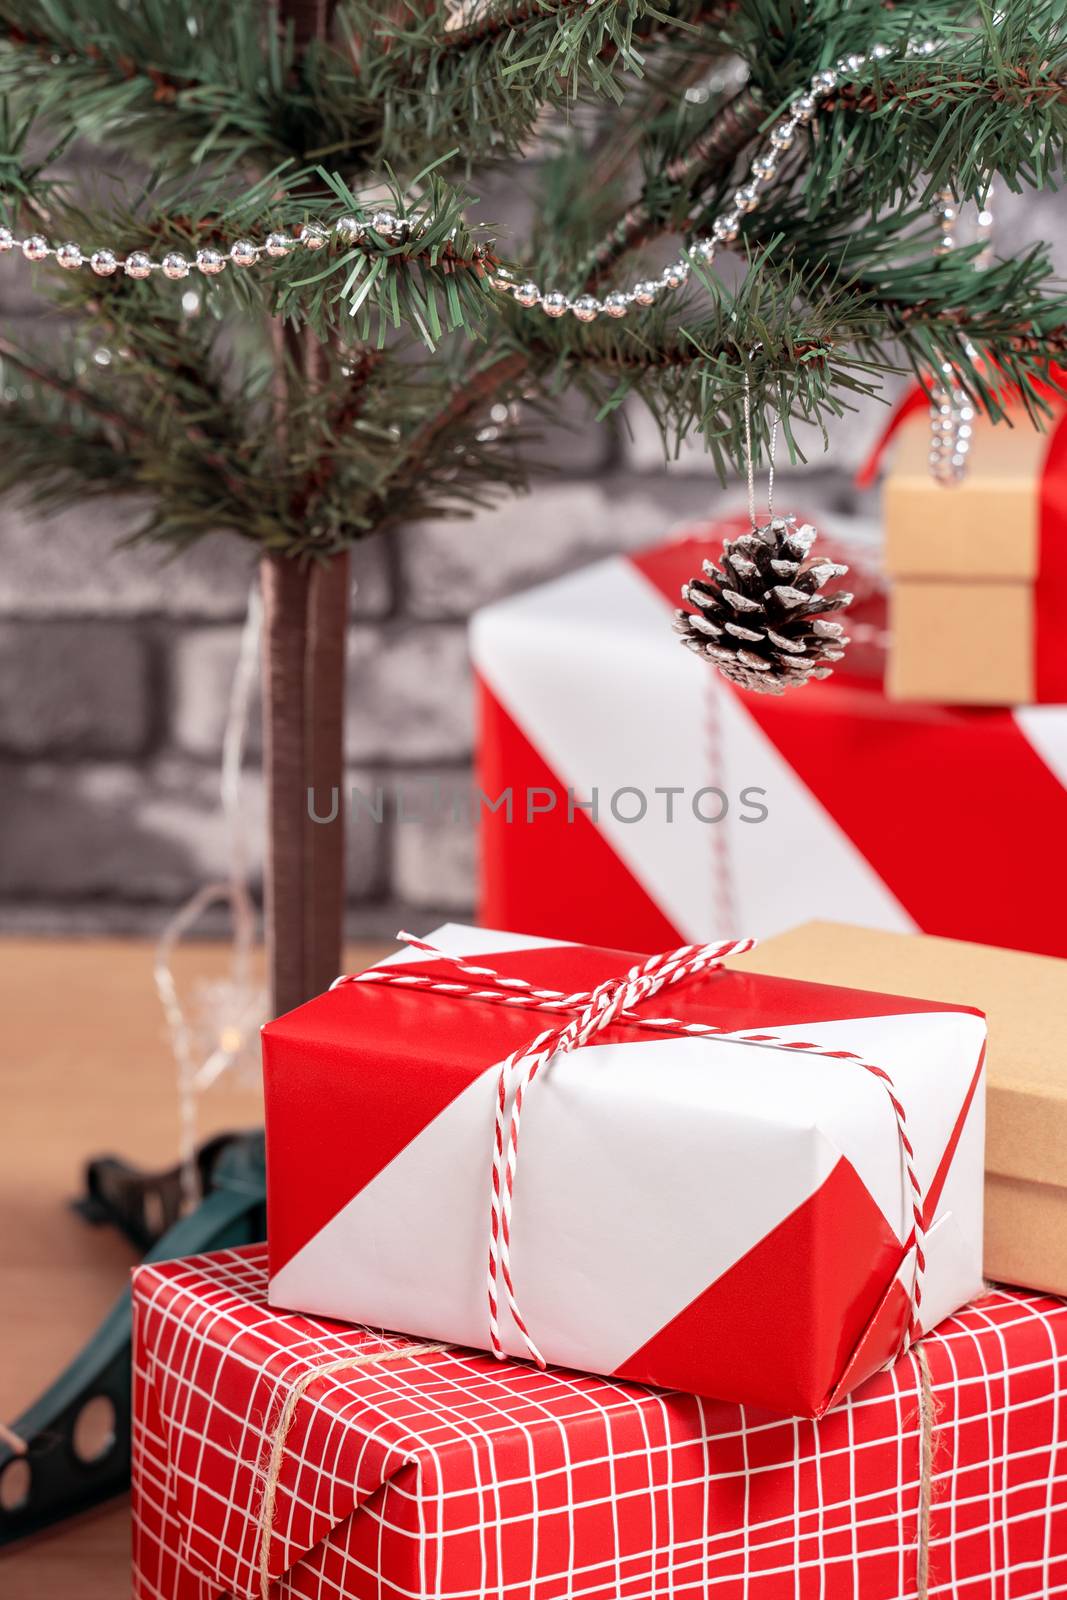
(211, 261)
(386, 227)
(951, 411)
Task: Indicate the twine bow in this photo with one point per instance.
(615, 1000)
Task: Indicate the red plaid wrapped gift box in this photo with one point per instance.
(452, 1476)
(732, 1184)
(843, 805)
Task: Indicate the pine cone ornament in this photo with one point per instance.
(760, 617)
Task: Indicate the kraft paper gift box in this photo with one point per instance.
(1024, 998)
(978, 597)
(876, 812)
(450, 1476)
(741, 1186)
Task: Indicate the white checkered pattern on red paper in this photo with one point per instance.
(477, 1478)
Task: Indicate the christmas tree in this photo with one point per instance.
(366, 337)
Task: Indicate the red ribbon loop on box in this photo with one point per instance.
(1050, 600)
(1050, 589)
(614, 1000)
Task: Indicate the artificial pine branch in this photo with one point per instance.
(500, 19)
(104, 74)
(719, 148)
(468, 399)
(76, 395)
(26, 37)
(307, 123)
(708, 160)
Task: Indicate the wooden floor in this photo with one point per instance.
(85, 1069)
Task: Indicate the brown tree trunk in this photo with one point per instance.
(305, 617)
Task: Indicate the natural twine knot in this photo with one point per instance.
(348, 1363)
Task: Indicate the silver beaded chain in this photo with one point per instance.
(951, 411)
(386, 228)
(762, 171)
(210, 261)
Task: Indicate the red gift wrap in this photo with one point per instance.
(652, 802)
(736, 1185)
(450, 1476)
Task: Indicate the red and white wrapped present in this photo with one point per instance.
(842, 805)
(736, 1185)
(442, 1475)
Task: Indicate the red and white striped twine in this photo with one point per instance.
(612, 1001)
(723, 886)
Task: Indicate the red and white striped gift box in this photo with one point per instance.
(454, 1477)
(906, 817)
(741, 1186)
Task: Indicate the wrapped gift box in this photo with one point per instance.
(711, 1193)
(1024, 998)
(449, 1475)
(979, 568)
(842, 805)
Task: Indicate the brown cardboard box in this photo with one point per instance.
(1025, 999)
(962, 561)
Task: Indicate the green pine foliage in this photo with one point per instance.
(316, 398)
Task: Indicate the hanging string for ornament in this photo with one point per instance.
(951, 408)
(761, 617)
(377, 231)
